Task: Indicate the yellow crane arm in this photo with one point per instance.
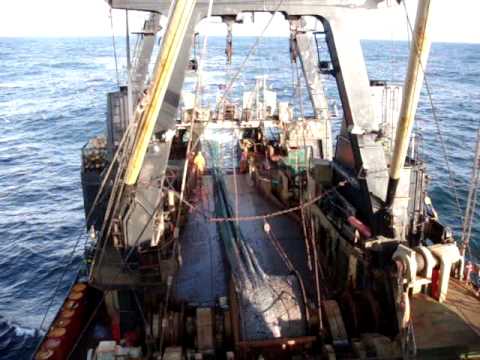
(172, 42)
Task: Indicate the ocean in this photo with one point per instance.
(53, 99)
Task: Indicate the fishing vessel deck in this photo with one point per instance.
(452, 325)
(204, 261)
(322, 253)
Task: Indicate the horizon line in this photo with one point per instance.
(467, 42)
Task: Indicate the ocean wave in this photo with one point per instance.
(50, 105)
(16, 341)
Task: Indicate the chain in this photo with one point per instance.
(277, 213)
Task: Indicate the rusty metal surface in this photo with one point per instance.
(277, 342)
(110, 274)
(463, 302)
(453, 324)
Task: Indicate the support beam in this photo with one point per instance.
(357, 151)
(172, 43)
(308, 57)
(419, 52)
(307, 52)
(142, 60)
(228, 7)
(158, 159)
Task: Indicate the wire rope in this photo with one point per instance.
(114, 48)
(451, 181)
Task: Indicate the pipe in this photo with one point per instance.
(172, 43)
(419, 52)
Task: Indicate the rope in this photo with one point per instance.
(229, 87)
(89, 215)
(302, 213)
(243, 262)
(98, 195)
(115, 197)
(451, 182)
(124, 261)
(57, 286)
(249, 54)
(190, 140)
(82, 333)
(235, 183)
(114, 47)
(289, 264)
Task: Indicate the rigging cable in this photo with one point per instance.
(57, 286)
(115, 197)
(229, 87)
(88, 217)
(112, 196)
(451, 182)
(302, 190)
(209, 216)
(289, 264)
(176, 244)
(247, 57)
(299, 95)
(194, 112)
(234, 166)
(77, 242)
(114, 47)
(125, 261)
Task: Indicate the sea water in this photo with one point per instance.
(53, 99)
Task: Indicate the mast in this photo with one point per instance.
(175, 32)
(419, 52)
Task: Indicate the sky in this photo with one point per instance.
(453, 21)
